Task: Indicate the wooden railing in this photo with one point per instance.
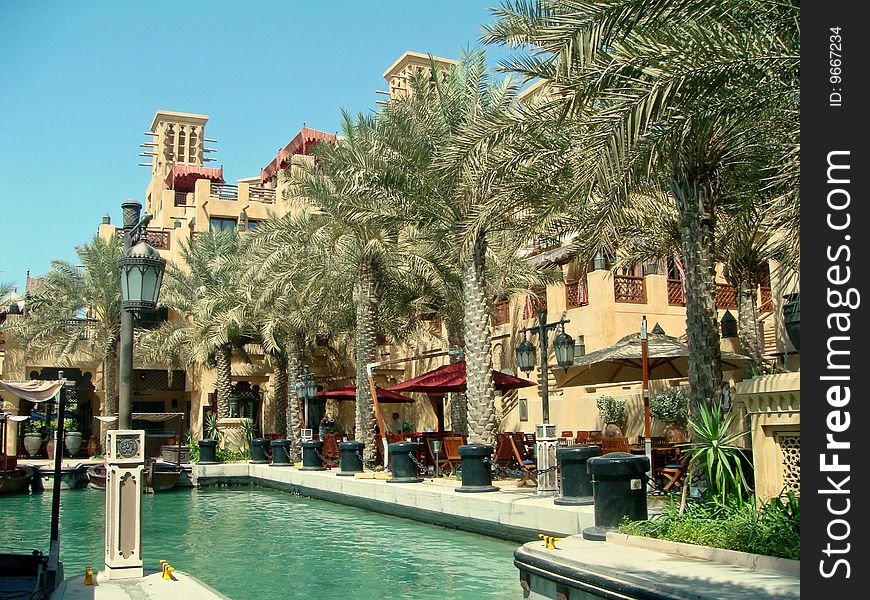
(726, 296)
(158, 238)
(85, 327)
(766, 303)
(675, 293)
(576, 294)
(261, 194)
(223, 191)
(532, 304)
(627, 288)
(502, 311)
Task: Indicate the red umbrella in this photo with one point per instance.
(349, 393)
(451, 378)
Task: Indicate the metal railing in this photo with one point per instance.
(180, 198)
(261, 194)
(223, 191)
(627, 288)
(675, 293)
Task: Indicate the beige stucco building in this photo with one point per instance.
(187, 197)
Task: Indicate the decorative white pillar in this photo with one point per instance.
(124, 484)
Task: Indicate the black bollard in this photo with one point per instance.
(312, 453)
(619, 486)
(207, 452)
(403, 468)
(351, 458)
(575, 478)
(259, 452)
(476, 469)
(279, 453)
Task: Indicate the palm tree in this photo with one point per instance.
(206, 294)
(674, 94)
(78, 309)
(447, 193)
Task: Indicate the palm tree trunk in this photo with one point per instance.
(367, 298)
(747, 321)
(224, 379)
(294, 414)
(457, 400)
(478, 352)
(695, 205)
(110, 390)
(280, 395)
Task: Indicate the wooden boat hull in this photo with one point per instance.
(16, 481)
(97, 477)
(159, 478)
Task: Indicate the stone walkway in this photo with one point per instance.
(150, 587)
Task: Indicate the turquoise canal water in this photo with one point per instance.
(249, 542)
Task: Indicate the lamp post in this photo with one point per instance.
(141, 270)
(563, 345)
(307, 391)
(436, 447)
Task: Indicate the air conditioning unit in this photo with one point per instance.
(545, 431)
(307, 434)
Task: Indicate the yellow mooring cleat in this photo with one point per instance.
(89, 576)
(549, 541)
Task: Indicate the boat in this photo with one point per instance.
(16, 481)
(161, 476)
(97, 477)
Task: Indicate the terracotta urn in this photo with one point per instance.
(675, 432)
(612, 430)
(73, 441)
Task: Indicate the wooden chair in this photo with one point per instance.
(671, 476)
(331, 452)
(450, 453)
(615, 444)
(504, 455)
(528, 467)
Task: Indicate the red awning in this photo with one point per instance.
(182, 178)
(298, 145)
(451, 378)
(349, 393)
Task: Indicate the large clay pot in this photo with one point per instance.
(32, 443)
(73, 441)
(49, 448)
(675, 432)
(612, 430)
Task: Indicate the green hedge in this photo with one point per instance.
(773, 530)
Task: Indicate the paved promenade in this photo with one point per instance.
(150, 587)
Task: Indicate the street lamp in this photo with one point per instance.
(563, 346)
(307, 390)
(141, 270)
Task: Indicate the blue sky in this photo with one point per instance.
(81, 82)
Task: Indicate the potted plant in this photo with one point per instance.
(671, 407)
(72, 437)
(33, 437)
(614, 415)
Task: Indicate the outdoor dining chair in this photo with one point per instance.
(672, 475)
(528, 467)
(615, 444)
(331, 453)
(450, 452)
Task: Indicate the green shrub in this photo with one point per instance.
(669, 405)
(612, 410)
(714, 452)
(773, 530)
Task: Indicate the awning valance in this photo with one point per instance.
(182, 178)
(298, 145)
(34, 391)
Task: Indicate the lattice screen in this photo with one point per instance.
(790, 443)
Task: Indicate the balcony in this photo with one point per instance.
(629, 289)
(533, 304)
(726, 296)
(576, 294)
(261, 194)
(180, 199)
(502, 312)
(223, 191)
(158, 238)
(675, 293)
(85, 327)
(766, 299)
